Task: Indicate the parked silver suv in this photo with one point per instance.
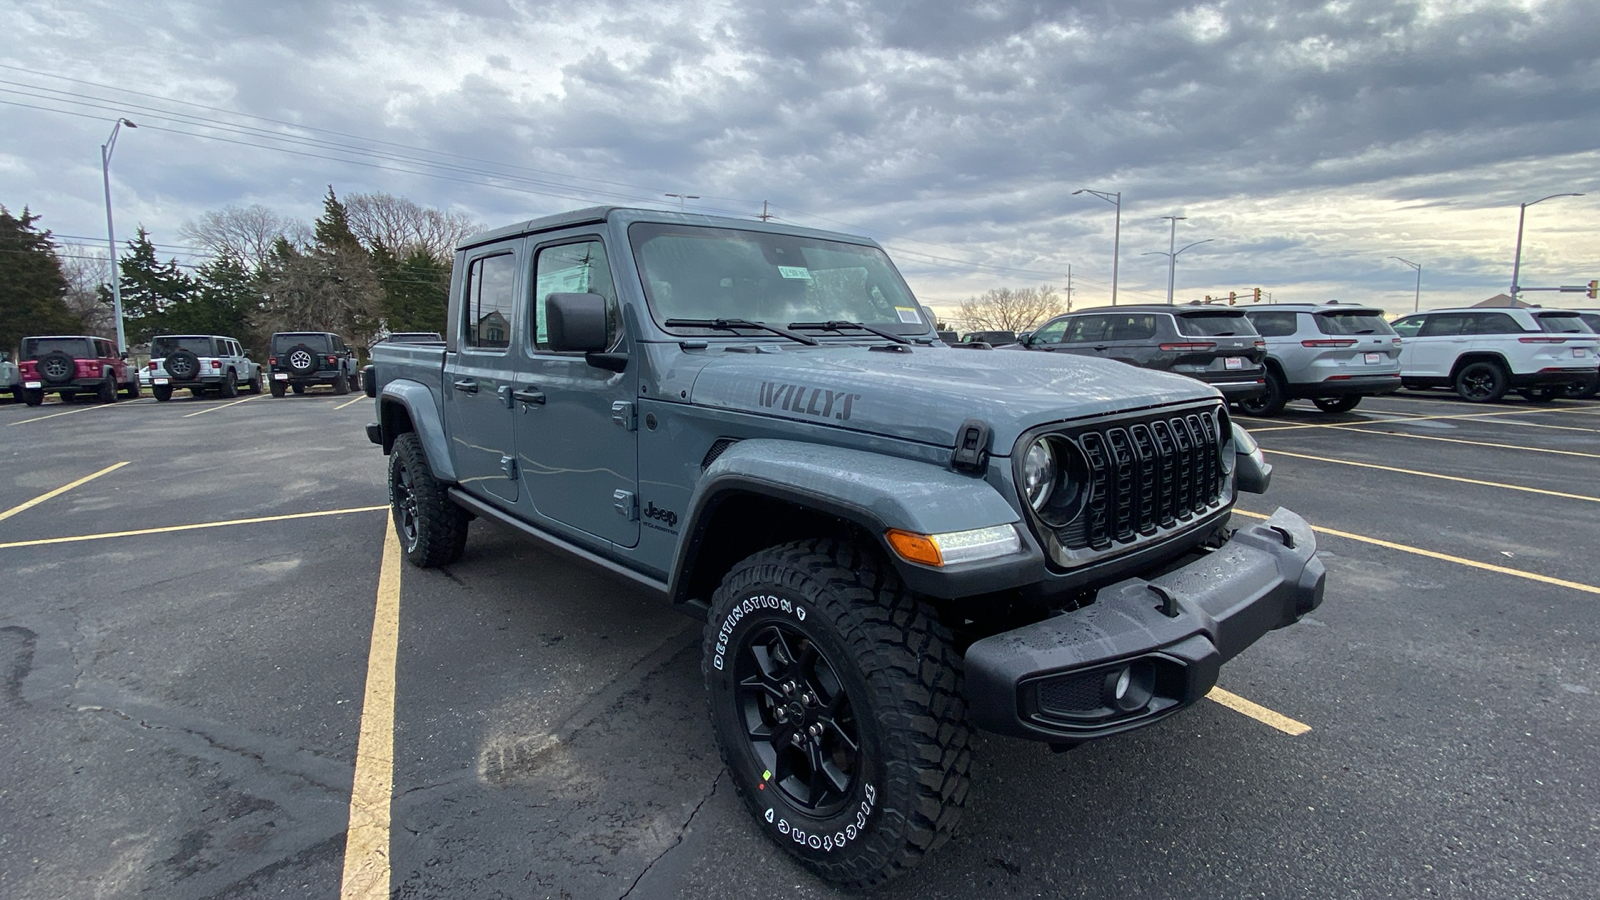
(1332, 354)
(199, 363)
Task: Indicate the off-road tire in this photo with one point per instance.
(298, 389)
(1270, 401)
(277, 388)
(182, 366)
(162, 392)
(107, 393)
(341, 384)
(895, 671)
(1338, 404)
(254, 385)
(1481, 382)
(56, 368)
(133, 388)
(432, 530)
(32, 396)
(305, 356)
(229, 385)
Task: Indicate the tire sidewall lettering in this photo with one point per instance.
(751, 604)
(828, 843)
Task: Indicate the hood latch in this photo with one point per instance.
(972, 447)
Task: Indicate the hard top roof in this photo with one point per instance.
(594, 215)
(1315, 307)
(1180, 309)
(1482, 310)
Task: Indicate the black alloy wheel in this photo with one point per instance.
(255, 383)
(1338, 404)
(1481, 382)
(798, 719)
(301, 360)
(1270, 401)
(56, 367)
(229, 385)
(108, 389)
(432, 529)
(182, 365)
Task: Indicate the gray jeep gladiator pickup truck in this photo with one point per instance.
(891, 541)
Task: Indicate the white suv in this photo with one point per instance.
(199, 363)
(1483, 353)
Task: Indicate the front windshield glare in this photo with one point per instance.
(779, 279)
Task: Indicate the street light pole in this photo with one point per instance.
(1417, 302)
(683, 197)
(1516, 263)
(111, 233)
(1172, 258)
(1115, 199)
(1172, 262)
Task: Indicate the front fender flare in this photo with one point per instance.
(422, 408)
(871, 490)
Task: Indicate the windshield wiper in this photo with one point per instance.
(835, 325)
(734, 324)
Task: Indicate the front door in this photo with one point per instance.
(576, 444)
(1443, 337)
(478, 378)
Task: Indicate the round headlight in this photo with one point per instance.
(1038, 474)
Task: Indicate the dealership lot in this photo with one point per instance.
(181, 705)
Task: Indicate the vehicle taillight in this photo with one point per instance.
(333, 360)
(1350, 342)
(216, 364)
(1395, 341)
(1542, 340)
(152, 365)
(1190, 345)
(1261, 345)
(272, 360)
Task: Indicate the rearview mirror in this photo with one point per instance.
(576, 322)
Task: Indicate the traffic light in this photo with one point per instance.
(1232, 298)
(1258, 296)
(1208, 298)
(1594, 288)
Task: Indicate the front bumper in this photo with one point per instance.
(1144, 649)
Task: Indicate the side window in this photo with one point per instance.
(1408, 327)
(1494, 323)
(1051, 333)
(1274, 324)
(488, 302)
(1444, 326)
(573, 269)
(1134, 328)
(1084, 329)
(104, 349)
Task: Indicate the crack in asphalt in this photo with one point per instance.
(681, 832)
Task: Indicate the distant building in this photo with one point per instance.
(1505, 300)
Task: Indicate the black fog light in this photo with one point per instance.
(1128, 688)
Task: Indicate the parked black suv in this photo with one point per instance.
(303, 358)
(1217, 346)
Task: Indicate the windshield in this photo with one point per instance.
(166, 346)
(1352, 323)
(78, 348)
(1214, 325)
(1562, 323)
(720, 273)
(317, 342)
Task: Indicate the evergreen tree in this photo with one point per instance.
(150, 290)
(31, 282)
(328, 287)
(416, 289)
(225, 294)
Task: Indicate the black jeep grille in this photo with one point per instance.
(1144, 476)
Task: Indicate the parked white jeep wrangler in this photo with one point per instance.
(200, 363)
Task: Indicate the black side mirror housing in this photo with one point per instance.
(576, 323)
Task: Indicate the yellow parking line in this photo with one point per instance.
(58, 491)
(1445, 557)
(223, 406)
(366, 846)
(348, 402)
(1434, 437)
(171, 528)
(1258, 712)
(1407, 417)
(1495, 484)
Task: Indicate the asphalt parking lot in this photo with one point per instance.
(185, 636)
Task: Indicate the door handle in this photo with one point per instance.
(529, 395)
(1101, 346)
(468, 385)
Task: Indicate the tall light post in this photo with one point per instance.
(1417, 302)
(1115, 199)
(111, 233)
(1172, 255)
(682, 198)
(1516, 263)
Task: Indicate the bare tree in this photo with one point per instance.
(85, 271)
(247, 234)
(1011, 309)
(403, 227)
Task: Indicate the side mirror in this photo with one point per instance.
(576, 322)
(1252, 472)
(123, 355)
(247, 354)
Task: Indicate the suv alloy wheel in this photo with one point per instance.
(1482, 382)
(1270, 401)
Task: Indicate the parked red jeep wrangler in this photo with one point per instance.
(74, 364)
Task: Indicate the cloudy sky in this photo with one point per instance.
(1307, 142)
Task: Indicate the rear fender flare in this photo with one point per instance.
(405, 405)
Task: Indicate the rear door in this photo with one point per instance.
(479, 377)
(576, 437)
(1086, 336)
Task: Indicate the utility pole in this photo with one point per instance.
(683, 197)
(106, 150)
(764, 216)
(1069, 287)
(1416, 302)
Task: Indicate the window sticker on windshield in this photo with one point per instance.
(908, 315)
(800, 272)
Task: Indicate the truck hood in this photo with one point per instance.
(925, 394)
